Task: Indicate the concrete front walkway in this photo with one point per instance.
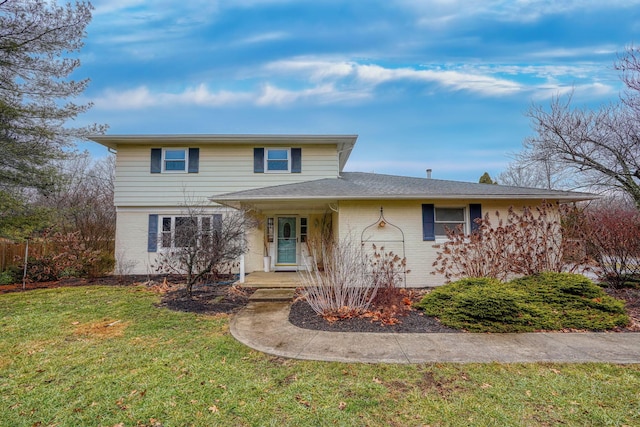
(264, 326)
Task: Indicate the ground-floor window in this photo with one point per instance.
(449, 219)
(185, 231)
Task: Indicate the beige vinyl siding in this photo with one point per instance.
(131, 243)
(222, 169)
(131, 252)
(355, 216)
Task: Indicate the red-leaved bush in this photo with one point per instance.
(528, 241)
(611, 238)
(66, 255)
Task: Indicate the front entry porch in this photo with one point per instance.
(277, 279)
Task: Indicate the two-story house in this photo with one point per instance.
(296, 185)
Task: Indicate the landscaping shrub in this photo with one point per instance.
(67, 256)
(388, 273)
(354, 284)
(611, 237)
(527, 242)
(9, 276)
(548, 301)
(343, 288)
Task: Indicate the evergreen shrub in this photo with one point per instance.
(541, 302)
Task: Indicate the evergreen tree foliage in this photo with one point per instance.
(37, 43)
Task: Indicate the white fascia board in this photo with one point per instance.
(112, 141)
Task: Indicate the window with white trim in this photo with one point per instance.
(449, 219)
(175, 159)
(304, 229)
(277, 160)
(184, 231)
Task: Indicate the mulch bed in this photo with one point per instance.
(73, 281)
(303, 316)
(208, 299)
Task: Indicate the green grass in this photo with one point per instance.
(60, 365)
(548, 301)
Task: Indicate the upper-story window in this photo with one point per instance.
(277, 160)
(175, 159)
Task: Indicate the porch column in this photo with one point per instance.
(242, 268)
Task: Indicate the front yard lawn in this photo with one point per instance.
(109, 356)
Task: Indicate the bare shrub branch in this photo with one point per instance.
(205, 245)
(612, 238)
(527, 242)
(342, 288)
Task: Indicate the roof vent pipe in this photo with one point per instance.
(429, 173)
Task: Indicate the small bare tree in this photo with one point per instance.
(203, 245)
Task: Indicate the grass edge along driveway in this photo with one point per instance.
(107, 356)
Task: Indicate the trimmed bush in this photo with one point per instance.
(9, 276)
(547, 301)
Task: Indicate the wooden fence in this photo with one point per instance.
(12, 254)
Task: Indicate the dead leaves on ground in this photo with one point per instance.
(387, 308)
(107, 328)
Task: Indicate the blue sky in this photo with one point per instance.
(440, 84)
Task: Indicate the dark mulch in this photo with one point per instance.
(303, 316)
(208, 299)
(74, 281)
(631, 297)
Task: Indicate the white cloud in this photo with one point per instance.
(583, 92)
(264, 37)
(141, 97)
(439, 13)
(321, 82)
(369, 75)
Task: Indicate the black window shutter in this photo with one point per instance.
(475, 212)
(296, 160)
(258, 160)
(194, 160)
(428, 222)
(156, 160)
(152, 241)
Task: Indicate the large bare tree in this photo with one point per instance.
(83, 200)
(600, 147)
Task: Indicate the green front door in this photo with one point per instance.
(286, 241)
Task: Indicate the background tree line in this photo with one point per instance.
(46, 186)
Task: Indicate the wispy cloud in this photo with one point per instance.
(142, 97)
(442, 13)
(321, 82)
(264, 37)
(372, 75)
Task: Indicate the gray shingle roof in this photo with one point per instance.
(372, 186)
